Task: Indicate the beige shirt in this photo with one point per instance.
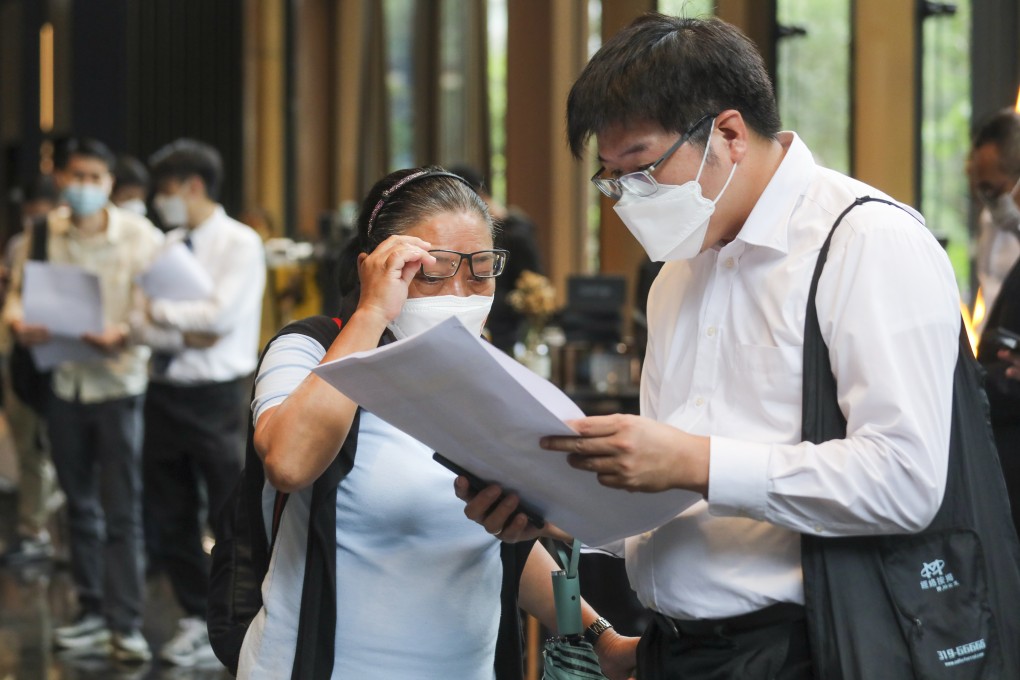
(117, 256)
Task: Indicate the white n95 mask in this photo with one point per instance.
(671, 223)
(172, 210)
(420, 314)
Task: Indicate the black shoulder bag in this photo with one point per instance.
(32, 386)
(942, 603)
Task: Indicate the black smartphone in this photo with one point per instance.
(477, 484)
(1007, 339)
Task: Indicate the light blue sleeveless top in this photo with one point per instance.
(418, 584)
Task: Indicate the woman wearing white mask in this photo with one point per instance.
(419, 589)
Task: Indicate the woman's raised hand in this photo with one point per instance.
(386, 272)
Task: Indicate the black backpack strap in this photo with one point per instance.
(822, 419)
(39, 236)
(864, 616)
(827, 562)
(242, 551)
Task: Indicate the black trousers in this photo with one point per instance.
(770, 644)
(193, 454)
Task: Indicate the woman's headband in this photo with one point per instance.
(388, 193)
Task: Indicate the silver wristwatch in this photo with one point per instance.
(596, 629)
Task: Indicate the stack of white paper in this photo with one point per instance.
(67, 300)
(176, 274)
(481, 409)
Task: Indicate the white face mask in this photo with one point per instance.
(421, 314)
(171, 210)
(1004, 212)
(135, 205)
(671, 223)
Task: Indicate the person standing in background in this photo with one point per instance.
(95, 416)
(515, 233)
(204, 353)
(993, 168)
(130, 185)
(36, 478)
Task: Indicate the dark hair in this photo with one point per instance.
(86, 147)
(40, 188)
(1002, 129)
(417, 200)
(671, 71)
(471, 175)
(186, 158)
(130, 172)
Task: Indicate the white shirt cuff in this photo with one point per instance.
(738, 478)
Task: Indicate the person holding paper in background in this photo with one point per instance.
(689, 138)
(95, 416)
(418, 590)
(204, 353)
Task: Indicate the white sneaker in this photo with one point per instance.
(190, 645)
(88, 634)
(130, 647)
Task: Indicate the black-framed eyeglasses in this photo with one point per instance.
(641, 182)
(484, 264)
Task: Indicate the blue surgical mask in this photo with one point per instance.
(86, 199)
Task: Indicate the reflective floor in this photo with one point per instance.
(36, 597)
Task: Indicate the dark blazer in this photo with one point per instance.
(1003, 392)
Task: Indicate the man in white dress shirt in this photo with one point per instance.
(203, 354)
(688, 136)
(993, 168)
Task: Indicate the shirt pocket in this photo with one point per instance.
(768, 382)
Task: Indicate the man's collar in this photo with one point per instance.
(61, 223)
(767, 224)
(214, 216)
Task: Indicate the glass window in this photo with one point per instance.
(399, 32)
(813, 76)
(687, 8)
(497, 30)
(945, 138)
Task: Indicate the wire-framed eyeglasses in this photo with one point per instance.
(641, 182)
(484, 264)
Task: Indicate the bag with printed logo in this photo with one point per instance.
(941, 603)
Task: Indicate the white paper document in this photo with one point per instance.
(176, 274)
(67, 300)
(481, 409)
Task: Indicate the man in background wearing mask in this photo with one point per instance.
(994, 170)
(95, 416)
(204, 353)
(130, 185)
(37, 493)
(688, 136)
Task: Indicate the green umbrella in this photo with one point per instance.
(569, 656)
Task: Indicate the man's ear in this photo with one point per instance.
(735, 133)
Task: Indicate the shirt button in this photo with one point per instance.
(730, 263)
(819, 528)
(711, 331)
(699, 402)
